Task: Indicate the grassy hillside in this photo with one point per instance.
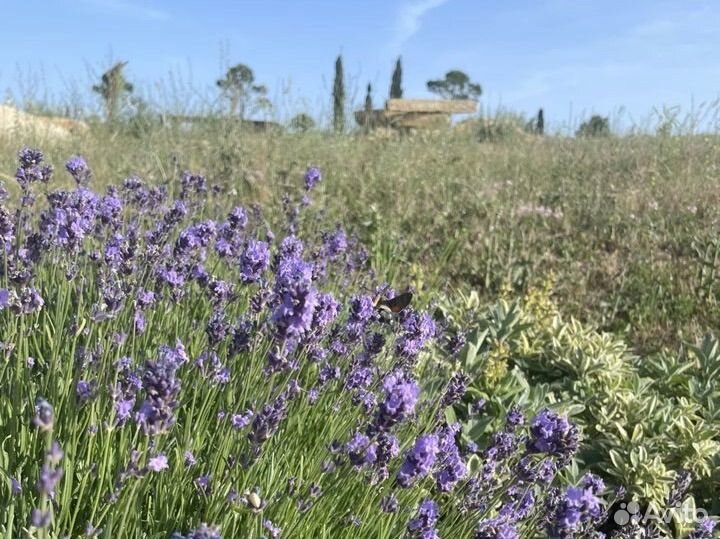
(627, 227)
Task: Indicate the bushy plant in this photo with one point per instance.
(302, 123)
(502, 127)
(645, 419)
(596, 126)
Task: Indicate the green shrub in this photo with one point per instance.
(643, 418)
(596, 126)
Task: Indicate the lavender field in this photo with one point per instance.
(179, 363)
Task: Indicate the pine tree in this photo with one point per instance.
(239, 87)
(339, 97)
(455, 85)
(112, 88)
(396, 91)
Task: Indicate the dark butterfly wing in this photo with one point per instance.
(396, 304)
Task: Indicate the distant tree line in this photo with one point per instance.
(245, 96)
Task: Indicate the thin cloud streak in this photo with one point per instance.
(130, 9)
(409, 19)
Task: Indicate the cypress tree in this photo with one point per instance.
(396, 91)
(540, 126)
(368, 107)
(339, 97)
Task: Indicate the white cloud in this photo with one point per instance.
(409, 19)
(130, 9)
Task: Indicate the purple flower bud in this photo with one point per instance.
(254, 261)
(419, 461)
(158, 463)
(422, 526)
(312, 177)
(553, 434)
(44, 415)
(40, 519)
(78, 169)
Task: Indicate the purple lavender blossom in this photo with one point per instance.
(325, 313)
(173, 279)
(418, 328)
(31, 169)
(44, 416)
(422, 526)
(15, 487)
(79, 170)
(219, 291)
(7, 230)
(217, 328)
(515, 417)
(212, 368)
(29, 301)
(240, 421)
(194, 237)
(389, 503)
(335, 243)
(576, 509)
(298, 298)
(5, 298)
(455, 389)
(201, 532)
(85, 390)
(192, 184)
(158, 463)
(496, 528)
(401, 394)
(419, 461)
(553, 434)
(40, 519)
(144, 298)
(254, 261)
(681, 485)
(48, 480)
(362, 311)
(268, 420)
(189, 459)
(312, 177)
(109, 208)
(451, 467)
(358, 450)
(203, 484)
(162, 387)
(51, 473)
(273, 530)
(291, 247)
(704, 530)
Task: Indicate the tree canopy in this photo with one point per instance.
(112, 88)
(596, 126)
(455, 85)
(239, 87)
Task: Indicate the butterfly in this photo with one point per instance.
(393, 305)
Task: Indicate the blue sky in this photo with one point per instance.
(572, 57)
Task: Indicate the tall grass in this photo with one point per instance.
(627, 224)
